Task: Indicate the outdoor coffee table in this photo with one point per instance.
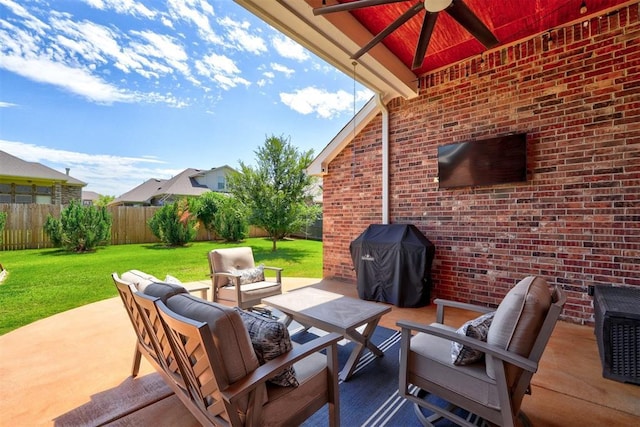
(333, 312)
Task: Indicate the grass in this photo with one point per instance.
(44, 282)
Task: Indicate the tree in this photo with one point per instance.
(79, 228)
(173, 224)
(231, 221)
(223, 214)
(276, 190)
(104, 200)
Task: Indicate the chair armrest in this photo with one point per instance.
(278, 271)
(495, 351)
(442, 303)
(275, 366)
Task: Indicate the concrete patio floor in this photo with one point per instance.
(74, 369)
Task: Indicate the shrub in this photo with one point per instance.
(173, 224)
(222, 214)
(231, 222)
(79, 228)
(3, 222)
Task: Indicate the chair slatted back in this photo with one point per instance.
(196, 353)
(126, 291)
(149, 312)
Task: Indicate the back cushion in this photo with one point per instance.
(139, 278)
(224, 260)
(150, 285)
(518, 320)
(227, 328)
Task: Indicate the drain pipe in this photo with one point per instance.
(385, 158)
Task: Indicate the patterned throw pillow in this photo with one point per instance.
(477, 328)
(270, 339)
(249, 275)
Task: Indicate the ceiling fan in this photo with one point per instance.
(457, 9)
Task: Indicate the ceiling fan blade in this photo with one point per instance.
(410, 13)
(465, 17)
(351, 6)
(423, 41)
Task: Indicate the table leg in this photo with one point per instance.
(361, 341)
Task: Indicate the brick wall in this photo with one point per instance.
(576, 221)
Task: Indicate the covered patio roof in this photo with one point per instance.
(386, 68)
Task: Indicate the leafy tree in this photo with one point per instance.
(104, 200)
(223, 214)
(79, 228)
(173, 224)
(231, 221)
(206, 208)
(276, 190)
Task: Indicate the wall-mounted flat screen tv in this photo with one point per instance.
(491, 161)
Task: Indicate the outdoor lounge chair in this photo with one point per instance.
(235, 278)
(493, 386)
(226, 385)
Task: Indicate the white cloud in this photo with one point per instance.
(74, 80)
(7, 104)
(222, 70)
(30, 21)
(129, 7)
(239, 36)
(196, 12)
(94, 169)
(324, 104)
(288, 72)
(287, 48)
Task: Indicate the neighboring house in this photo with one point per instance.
(89, 198)
(30, 182)
(190, 182)
(568, 78)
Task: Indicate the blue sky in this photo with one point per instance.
(121, 91)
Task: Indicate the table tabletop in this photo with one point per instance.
(331, 310)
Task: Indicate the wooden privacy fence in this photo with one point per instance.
(25, 226)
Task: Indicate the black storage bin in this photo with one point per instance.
(393, 264)
(617, 315)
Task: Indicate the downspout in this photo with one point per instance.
(385, 159)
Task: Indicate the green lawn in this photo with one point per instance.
(44, 282)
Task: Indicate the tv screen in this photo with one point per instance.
(491, 161)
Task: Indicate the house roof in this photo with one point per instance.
(90, 195)
(140, 194)
(387, 67)
(12, 167)
(183, 184)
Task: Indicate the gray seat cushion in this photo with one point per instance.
(430, 359)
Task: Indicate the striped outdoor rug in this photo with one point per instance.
(370, 398)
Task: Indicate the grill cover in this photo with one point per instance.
(393, 264)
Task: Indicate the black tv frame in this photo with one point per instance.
(492, 161)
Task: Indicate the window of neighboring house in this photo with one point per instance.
(43, 195)
(24, 194)
(5, 193)
(24, 198)
(43, 200)
(43, 190)
(222, 183)
(24, 189)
